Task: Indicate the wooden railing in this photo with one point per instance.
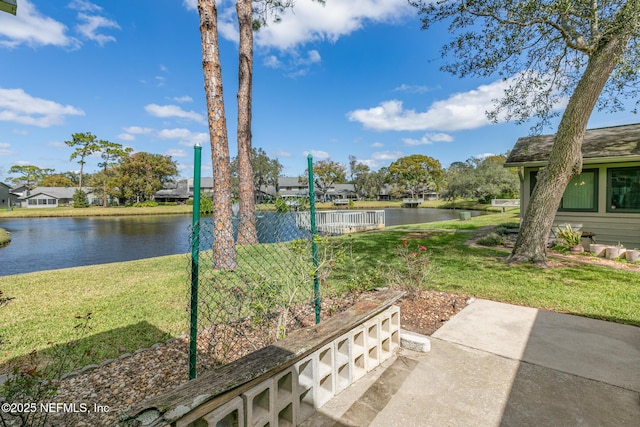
(342, 222)
(505, 203)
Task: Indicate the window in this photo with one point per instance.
(623, 189)
(32, 201)
(581, 194)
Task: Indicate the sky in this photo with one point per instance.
(352, 77)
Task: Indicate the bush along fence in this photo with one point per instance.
(247, 295)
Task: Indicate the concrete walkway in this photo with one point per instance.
(497, 364)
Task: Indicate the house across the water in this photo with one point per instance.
(52, 197)
(605, 197)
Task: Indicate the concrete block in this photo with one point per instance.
(287, 404)
(305, 376)
(326, 378)
(415, 342)
(372, 336)
(228, 415)
(343, 363)
(358, 351)
(259, 404)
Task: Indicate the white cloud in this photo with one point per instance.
(126, 137)
(483, 155)
(381, 158)
(412, 88)
(294, 63)
(428, 138)
(465, 110)
(377, 145)
(132, 131)
(190, 4)
(165, 111)
(5, 149)
(387, 155)
(184, 136)
(310, 21)
(282, 153)
(137, 130)
(32, 28)
(90, 26)
(183, 99)
(272, 61)
(318, 154)
(84, 6)
(91, 22)
(19, 107)
(313, 56)
(175, 152)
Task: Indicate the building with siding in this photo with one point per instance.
(52, 197)
(605, 197)
(7, 199)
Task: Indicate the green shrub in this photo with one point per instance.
(206, 204)
(500, 230)
(80, 199)
(491, 239)
(145, 204)
(281, 205)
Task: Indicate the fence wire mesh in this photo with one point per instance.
(269, 291)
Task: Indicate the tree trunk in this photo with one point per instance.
(247, 220)
(80, 175)
(224, 253)
(565, 160)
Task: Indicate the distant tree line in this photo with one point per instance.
(124, 178)
(127, 177)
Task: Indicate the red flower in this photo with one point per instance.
(404, 242)
(414, 254)
(423, 248)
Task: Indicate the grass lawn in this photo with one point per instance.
(93, 211)
(5, 237)
(137, 303)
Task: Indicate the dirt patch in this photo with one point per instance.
(425, 311)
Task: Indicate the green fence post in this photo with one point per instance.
(314, 233)
(195, 252)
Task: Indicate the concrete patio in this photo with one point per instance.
(497, 364)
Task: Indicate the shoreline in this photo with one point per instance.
(5, 237)
(99, 211)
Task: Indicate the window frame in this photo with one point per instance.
(533, 181)
(610, 172)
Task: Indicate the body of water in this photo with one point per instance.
(50, 243)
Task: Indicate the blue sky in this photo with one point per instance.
(353, 77)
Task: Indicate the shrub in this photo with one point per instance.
(414, 270)
(281, 205)
(206, 204)
(145, 204)
(80, 199)
(491, 239)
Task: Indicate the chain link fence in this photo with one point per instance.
(269, 293)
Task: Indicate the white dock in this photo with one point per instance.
(342, 221)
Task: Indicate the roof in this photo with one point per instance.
(290, 181)
(55, 192)
(603, 145)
